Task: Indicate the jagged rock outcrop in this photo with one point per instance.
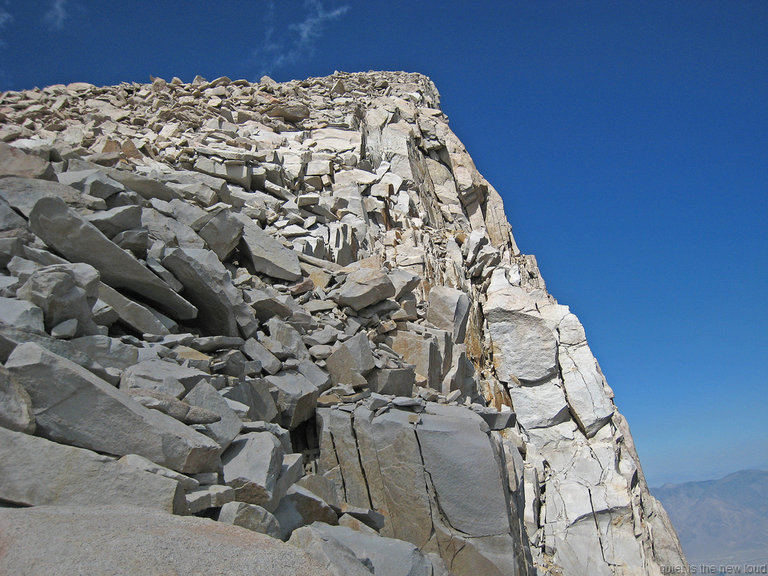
(298, 308)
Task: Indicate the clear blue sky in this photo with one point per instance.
(628, 139)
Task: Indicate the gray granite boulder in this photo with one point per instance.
(73, 406)
(208, 285)
(37, 472)
(61, 540)
(251, 465)
(365, 287)
(22, 315)
(351, 362)
(449, 310)
(223, 431)
(64, 292)
(250, 516)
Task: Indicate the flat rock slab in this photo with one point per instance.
(78, 240)
(112, 540)
(228, 427)
(251, 517)
(539, 406)
(75, 407)
(23, 193)
(267, 255)
(295, 396)
(457, 454)
(37, 472)
(130, 313)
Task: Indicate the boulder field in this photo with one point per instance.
(262, 328)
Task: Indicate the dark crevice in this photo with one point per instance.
(360, 460)
(597, 526)
(338, 464)
(427, 483)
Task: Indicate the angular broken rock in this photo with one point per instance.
(524, 347)
(92, 182)
(132, 314)
(222, 233)
(75, 407)
(119, 219)
(289, 111)
(351, 361)
(23, 193)
(174, 408)
(403, 281)
(136, 461)
(539, 406)
(79, 241)
(251, 465)
(210, 496)
(422, 351)
(583, 385)
(64, 292)
(267, 255)
(256, 351)
(254, 394)
(15, 162)
(288, 337)
(375, 175)
(338, 558)
(223, 431)
(385, 555)
(208, 285)
(250, 516)
(300, 507)
(449, 310)
(295, 397)
(365, 287)
(392, 381)
(22, 315)
(36, 472)
(161, 376)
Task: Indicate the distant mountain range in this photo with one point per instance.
(721, 522)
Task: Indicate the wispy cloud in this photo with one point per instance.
(279, 50)
(5, 19)
(5, 16)
(56, 15)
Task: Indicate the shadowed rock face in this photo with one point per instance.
(316, 314)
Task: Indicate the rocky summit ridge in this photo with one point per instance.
(298, 310)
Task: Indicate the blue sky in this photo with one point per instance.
(629, 141)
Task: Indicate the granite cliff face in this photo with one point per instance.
(297, 308)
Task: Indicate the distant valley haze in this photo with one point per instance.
(721, 522)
